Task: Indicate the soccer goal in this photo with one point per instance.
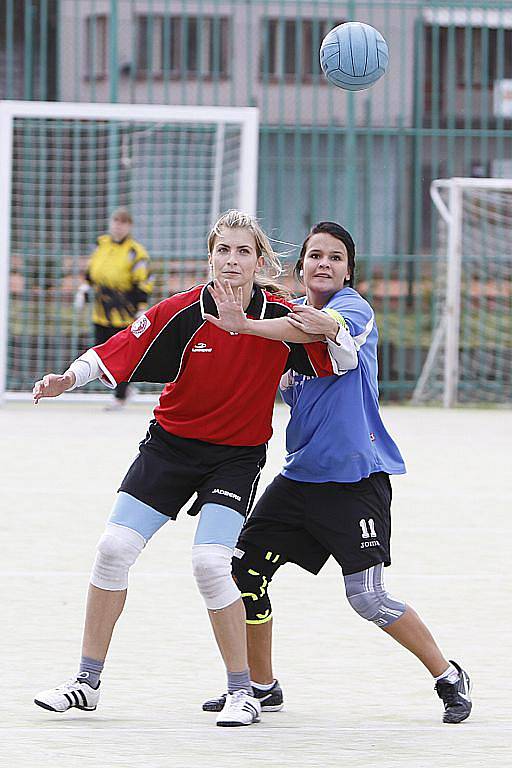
(64, 168)
(470, 357)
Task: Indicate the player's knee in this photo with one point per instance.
(253, 573)
(117, 550)
(372, 601)
(367, 605)
(211, 564)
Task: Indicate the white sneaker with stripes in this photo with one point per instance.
(240, 709)
(73, 693)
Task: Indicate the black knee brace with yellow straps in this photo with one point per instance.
(253, 569)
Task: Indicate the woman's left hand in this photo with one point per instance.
(313, 321)
(231, 312)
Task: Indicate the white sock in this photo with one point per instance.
(451, 675)
(262, 686)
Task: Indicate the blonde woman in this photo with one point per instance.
(208, 436)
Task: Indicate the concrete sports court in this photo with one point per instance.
(354, 698)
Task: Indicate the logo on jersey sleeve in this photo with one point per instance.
(140, 325)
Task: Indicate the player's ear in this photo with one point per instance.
(260, 262)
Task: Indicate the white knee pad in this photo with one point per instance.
(118, 549)
(211, 564)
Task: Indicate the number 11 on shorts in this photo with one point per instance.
(364, 528)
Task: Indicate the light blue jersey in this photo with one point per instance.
(335, 432)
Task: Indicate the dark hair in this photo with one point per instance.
(337, 231)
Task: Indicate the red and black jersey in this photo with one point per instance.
(220, 386)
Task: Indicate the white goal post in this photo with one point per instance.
(64, 167)
(469, 359)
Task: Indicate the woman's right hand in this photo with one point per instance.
(313, 321)
(52, 385)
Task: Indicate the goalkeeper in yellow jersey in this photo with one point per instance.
(119, 278)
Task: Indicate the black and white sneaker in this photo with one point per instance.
(271, 701)
(73, 693)
(240, 709)
(456, 696)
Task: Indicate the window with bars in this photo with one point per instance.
(96, 44)
(490, 54)
(197, 46)
(290, 48)
(28, 49)
(464, 60)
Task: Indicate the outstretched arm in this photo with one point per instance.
(233, 318)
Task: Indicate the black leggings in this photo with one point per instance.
(101, 334)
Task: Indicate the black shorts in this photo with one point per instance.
(307, 522)
(169, 470)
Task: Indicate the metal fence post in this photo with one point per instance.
(113, 73)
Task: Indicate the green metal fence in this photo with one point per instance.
(365, 159)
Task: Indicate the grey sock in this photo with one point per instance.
(238, 681)
(90, 671)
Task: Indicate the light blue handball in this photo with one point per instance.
(353, 56)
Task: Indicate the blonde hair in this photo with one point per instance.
(272, 268)
(123, 214)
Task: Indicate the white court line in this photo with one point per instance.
(56, 491)
(174, 572)
(300, 728)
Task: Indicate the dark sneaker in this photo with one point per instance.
(456, 696)
(271, 701)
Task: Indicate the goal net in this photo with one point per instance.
(63, 169)
(470, 357)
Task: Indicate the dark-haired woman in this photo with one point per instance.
(333, 495)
